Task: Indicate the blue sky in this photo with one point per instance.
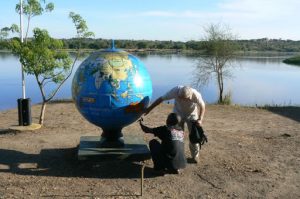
(178, 20)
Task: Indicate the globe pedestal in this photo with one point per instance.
(135, 149)
(112, 138)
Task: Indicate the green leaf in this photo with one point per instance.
(49, 7)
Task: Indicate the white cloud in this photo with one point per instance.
(261, 8)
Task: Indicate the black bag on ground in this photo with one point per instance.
(197, 134)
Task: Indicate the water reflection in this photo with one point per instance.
(261, 60)
(6, 55)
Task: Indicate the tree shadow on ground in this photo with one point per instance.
(64, 163)
(290, 112)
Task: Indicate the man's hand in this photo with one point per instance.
(199, 122)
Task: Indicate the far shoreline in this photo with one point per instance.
(171, 51)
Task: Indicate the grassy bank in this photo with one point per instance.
(293, 60)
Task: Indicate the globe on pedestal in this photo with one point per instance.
(111, 88)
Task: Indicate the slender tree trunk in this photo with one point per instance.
(42, 115)
(221, 94)
(220, 85)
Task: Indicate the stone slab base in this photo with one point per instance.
(135, 149)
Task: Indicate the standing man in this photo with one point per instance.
(190, 106)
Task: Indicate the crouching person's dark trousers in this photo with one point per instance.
(157, 156)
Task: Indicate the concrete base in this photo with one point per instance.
(31, 127)
(135, 149)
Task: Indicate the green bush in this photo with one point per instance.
(293, 60)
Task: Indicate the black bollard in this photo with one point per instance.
(24, 111)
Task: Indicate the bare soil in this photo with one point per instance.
(251, 153)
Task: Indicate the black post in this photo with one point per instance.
(24, 111)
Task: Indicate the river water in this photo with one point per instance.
(256, 80)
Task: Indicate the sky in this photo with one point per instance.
(177, 20)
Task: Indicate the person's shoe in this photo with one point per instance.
(195, 160)
(174, 171)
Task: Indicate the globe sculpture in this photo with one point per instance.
(111, 88)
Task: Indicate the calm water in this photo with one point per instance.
(257, 80)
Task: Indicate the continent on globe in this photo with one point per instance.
(111, 88)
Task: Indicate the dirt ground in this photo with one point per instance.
(251, 153)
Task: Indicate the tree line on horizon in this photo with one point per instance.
(263, 44)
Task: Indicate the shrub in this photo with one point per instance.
(227, 99)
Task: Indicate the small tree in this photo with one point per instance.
(220, 47)
(42, 56)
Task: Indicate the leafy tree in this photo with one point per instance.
(4, 32)
(42, 56)
(141, 45)
(32, 8)
(220, 48)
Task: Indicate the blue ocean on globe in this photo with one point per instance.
(111, 88)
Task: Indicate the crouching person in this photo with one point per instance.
(167, 155)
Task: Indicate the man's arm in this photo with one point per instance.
(201, 105)
(171, 94)
(153, 105)
(201, 114)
